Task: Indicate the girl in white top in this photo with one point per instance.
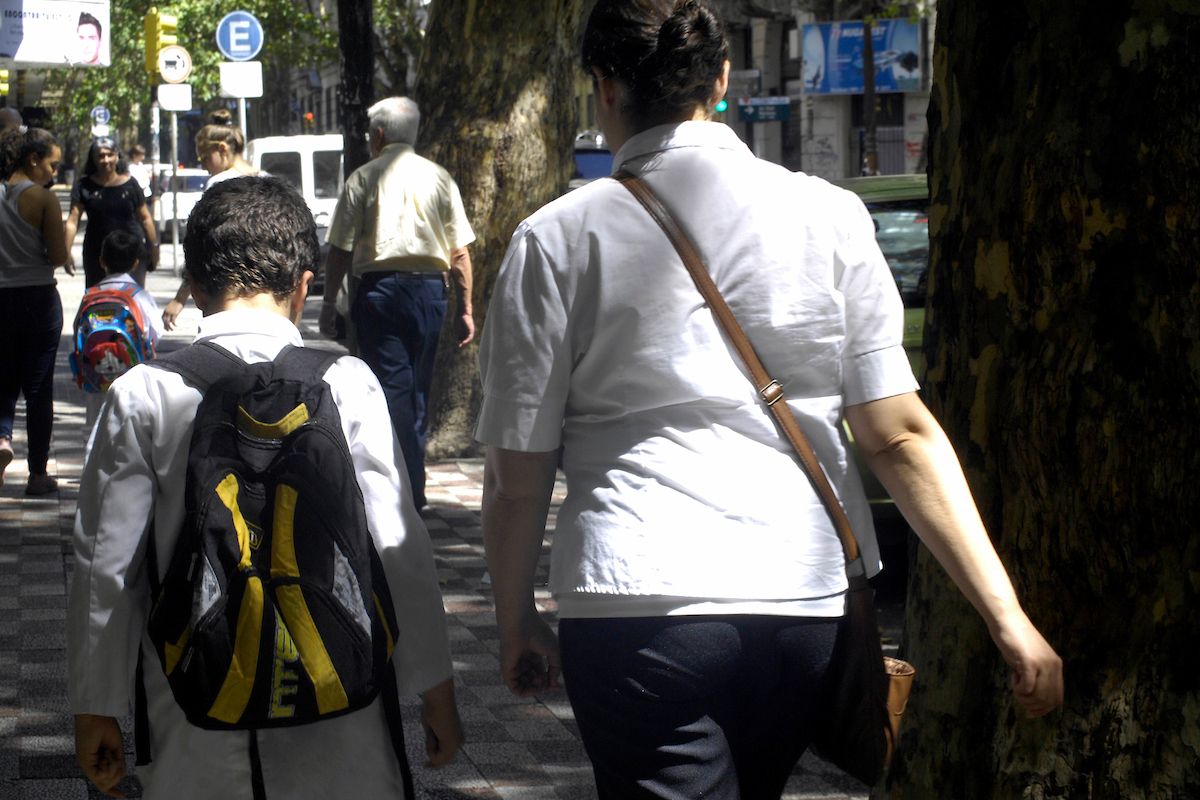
(699, 580)
(219, 148)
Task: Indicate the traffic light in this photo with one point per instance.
(160, 32)
(4, 83)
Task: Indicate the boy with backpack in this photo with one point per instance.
(247, 552)
(117, 325)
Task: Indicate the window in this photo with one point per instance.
(327, 173)
(285, 166)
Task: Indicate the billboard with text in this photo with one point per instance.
(55, 33)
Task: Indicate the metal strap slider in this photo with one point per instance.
(771, 393)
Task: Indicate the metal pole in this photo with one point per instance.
(870, 164)
(242, 118)
(155, 157)
(175, 193)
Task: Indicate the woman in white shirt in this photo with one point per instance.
(699, 580)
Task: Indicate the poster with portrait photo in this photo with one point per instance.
(55, 33)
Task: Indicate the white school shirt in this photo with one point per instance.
(134, 468)
(682, 496)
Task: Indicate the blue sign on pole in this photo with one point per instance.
(239, 36)
(833, 57)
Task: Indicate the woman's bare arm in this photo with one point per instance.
(907, 449)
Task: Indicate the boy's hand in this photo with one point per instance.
(443, 728)
(100, 752)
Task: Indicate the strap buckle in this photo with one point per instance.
(772, 393)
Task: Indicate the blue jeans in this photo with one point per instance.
(398, 318)
(718, 707)
(31, 321)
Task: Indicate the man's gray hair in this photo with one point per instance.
(9, 118)
(399, 118)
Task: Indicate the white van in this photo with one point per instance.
(310, 162)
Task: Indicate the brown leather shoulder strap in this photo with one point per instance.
(767, 387)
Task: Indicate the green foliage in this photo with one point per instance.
(293, 35)
(399, 31)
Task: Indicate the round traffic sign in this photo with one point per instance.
(239, 36)
(174, 64)
(101, 116)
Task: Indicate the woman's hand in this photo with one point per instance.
(1037, 671)
(529, 658)
(171, 314)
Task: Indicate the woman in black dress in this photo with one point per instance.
(113, 201)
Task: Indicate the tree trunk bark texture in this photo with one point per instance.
(356, 42)
(496, 88)
(1063, 338)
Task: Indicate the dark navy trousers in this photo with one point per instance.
(31, 321)
(714, 707)
(398, 317)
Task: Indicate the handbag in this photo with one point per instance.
(869, 692)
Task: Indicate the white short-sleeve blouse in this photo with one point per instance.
(682, 495)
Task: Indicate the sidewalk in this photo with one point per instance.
(527, 749)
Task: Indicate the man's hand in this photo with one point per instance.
(464, 329)
(100, 753)
(443, 728)
(327, 321)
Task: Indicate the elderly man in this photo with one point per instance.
(9, 118)
(401, 228)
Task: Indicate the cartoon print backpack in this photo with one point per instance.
(274, 609)
(110, 337)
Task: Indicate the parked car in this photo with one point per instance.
(592, 159)
(174, 196)
(899, 206)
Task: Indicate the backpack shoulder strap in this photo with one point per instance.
(201, 364)
(304, 364)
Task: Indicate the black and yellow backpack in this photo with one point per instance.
(274, 609)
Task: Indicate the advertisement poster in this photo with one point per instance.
(55, 33)
(833, 57)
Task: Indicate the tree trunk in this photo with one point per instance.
(496, 90)
(356, 42)
(1063, 338)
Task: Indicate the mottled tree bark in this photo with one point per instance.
(1063, 337)
(495, 85)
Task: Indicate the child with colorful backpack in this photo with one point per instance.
(117, 326)
(251, 574)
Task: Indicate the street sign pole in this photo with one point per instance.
(240, 38)
(175, 193)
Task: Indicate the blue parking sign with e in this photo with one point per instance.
(239, 36)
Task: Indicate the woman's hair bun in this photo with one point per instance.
(220, 117)
(669, 53)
